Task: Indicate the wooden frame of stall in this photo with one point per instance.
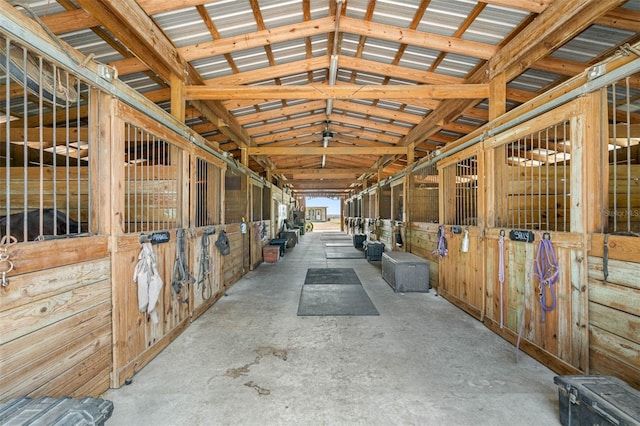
(595, 325)
(71, 324)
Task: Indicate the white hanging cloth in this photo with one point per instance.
(149, 282)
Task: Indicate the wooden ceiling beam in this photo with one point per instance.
(558, 24)
(346, 150)
(417, 38)
(449, 91)
(316, 172)
(129, 22)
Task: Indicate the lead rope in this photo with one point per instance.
(206, 266)
(501, 275)
(521, 316)
(181, 276)
(547, 272)
(441, 249)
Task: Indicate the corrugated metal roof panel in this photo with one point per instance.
(87, 42)
(457, 65)
(183, 26)
(397, 13)
(290, 51)
(444, 17)
(140, 82)
(590, 44)
(418, 58)
(493, 24)
(250, 59)
(276, 13)
(44, 7)
(533, 80)
(357, 8)
(232, 17)
(215, 66)
(380, 50)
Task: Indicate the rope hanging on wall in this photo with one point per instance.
(547, 272)
(501, 275)
(182, 278)
(441, 249)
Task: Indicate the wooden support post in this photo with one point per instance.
(101, 107)
(411, 153)
(244, 156)
(497, 96)
(596, 165)
(177, 98)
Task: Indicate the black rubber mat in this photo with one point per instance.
(331, 276)
(335, 299)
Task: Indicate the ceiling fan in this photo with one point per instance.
(326, 134)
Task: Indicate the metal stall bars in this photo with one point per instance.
(424, 197)
(461, 180)
(153, 175)
(208, 202)
(621, 203)
(44, 183)
(536, 181)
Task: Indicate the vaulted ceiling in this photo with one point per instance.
(329, 96)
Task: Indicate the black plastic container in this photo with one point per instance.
(597, 400)
(358, 240)
(55, 411)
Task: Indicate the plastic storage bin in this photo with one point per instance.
(597, 400)
(358, 240)
(373, 250)
(55, 411)
(405, 272)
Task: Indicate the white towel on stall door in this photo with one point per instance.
(149, 282)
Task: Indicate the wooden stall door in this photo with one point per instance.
(540, 188)
(154, 197)
(557, 336)
(461, 272)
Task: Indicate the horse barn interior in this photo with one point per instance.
(473, 135)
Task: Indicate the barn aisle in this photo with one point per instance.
(251, 360)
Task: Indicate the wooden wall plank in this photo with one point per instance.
(65, 364)
(35, 256)
(27, 318)
(22, 352)
(617, 322)
(35, 286)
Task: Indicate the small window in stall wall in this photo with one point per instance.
(266, 203)
(424, 195)
(153, 176)
(208, 188)
(384, 207)
(397, 200)
(460, 192)
(235, 185)
(373, 203)
(535, 178)
(256, 202)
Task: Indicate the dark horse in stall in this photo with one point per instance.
(54, 222)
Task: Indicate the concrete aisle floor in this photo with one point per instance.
(250, 360)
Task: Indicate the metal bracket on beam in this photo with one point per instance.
(596, 71)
